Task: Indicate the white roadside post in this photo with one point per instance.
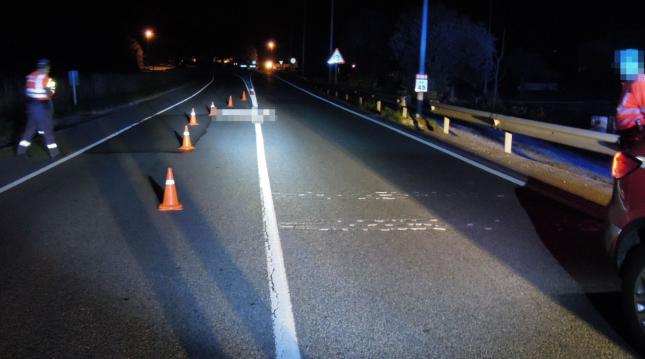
(446, 125)
(508, 142)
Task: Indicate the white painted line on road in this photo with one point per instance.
(251, 90)
(284, 326)
(89, 147)
(516, 181)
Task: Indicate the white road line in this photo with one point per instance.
(516, 181)
(251, 90)
(284, 327)
(89, 147)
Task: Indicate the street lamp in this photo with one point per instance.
(149, 34)
(271, 46)
(422, 56)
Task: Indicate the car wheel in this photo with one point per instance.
(634, 293)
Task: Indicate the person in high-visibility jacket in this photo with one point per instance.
(630, 114)
(40, 89)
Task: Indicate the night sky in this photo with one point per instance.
(93, 35)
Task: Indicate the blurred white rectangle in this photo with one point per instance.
(254, 115)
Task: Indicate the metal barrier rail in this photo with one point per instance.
(603, 143)
(597, 142)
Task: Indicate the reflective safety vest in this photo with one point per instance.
(39, 86)
(631, 110)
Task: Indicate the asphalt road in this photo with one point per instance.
(391, 248)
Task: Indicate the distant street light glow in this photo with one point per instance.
(149, 34)
(268, 65)
(271, 45)
(293, 60)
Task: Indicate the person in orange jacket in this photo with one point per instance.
(40, 89)
(630, 114)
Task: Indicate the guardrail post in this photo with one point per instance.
(404, 112)
(327, 92)
(336, 93)
(508, 142)
(360, 100)
(446, 125)
(347, 97)
(378, 106)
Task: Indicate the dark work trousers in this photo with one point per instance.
(39, 118)
(631, 136)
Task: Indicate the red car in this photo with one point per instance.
(626, 233)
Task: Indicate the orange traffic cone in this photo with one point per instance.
(213, 110)
(243, 96)
(230, 101)
(187, 145)
(170, 200)
(193, 118)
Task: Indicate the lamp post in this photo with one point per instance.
(422, 53)
(331, 37)
(304, 37)
(269, 64)
(149, 34)
(271, 46)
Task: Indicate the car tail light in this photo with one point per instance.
(623, 165)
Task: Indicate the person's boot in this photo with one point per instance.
(54, 152)
(21, 151)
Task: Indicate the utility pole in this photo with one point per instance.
(422, 53)
(490, 15)
(500, 57)
(304, 37)
(331, 37)
(490, 24)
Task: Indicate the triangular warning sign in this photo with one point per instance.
(336, 58)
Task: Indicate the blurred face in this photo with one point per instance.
(630, 63)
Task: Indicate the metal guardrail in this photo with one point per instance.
(597, 142)
(603, 143)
